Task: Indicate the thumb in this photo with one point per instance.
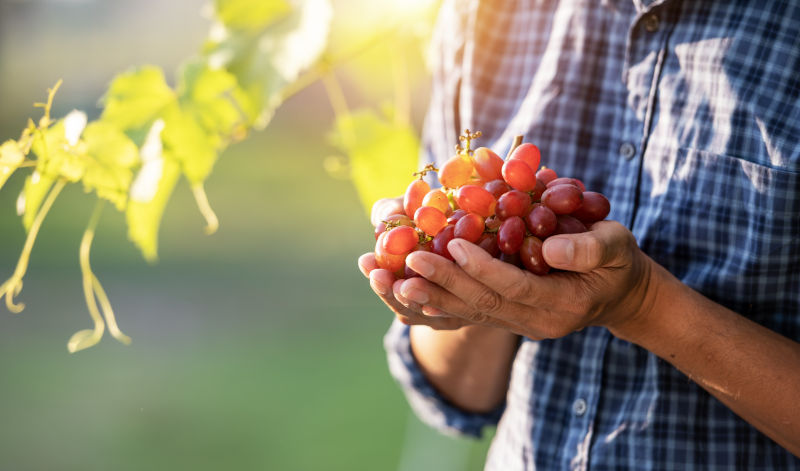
(607, 244)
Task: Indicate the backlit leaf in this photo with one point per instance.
(383, 154)
(250, 14)
(111, 156)
(10, 158)
(135, 99)
(144, 217)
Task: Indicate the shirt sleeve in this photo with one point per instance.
(426, 402)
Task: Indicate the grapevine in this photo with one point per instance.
(150, 134)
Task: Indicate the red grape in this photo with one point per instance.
(595, 207)
(430, 220)
(393, 263)
(536, 193)
(510, 235)
(513, 203)
(437, 199)
(415, 192)
(569, 225)
(541, 221)
(487, 164)
(567, 181)
(469, 227)
(395, 219)
(527, 153)
(456, 171)
(531, 255)
(475, 199)
(546, 175)
(457, 214)
(497, 188)
(400, 240)
(519, 175)
(488, 242)
(493, 223)
(441, 240)
(562, 199)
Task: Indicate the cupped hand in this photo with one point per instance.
(387, 287)
(605, 281)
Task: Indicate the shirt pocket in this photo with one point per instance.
(730, 228)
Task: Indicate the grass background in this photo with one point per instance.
(256, 348)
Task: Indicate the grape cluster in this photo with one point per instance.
(507, 207)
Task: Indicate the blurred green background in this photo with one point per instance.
(256, 348)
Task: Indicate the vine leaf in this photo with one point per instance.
(135, 99)
(33, 193)
(144, 216)
(112, 155)
(188, 143)
(383, 154)
(266, 58)
(213, 97)
(10, 158)
(249, 14)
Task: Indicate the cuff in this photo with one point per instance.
(426, 402)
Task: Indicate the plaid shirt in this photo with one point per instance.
(686, 114)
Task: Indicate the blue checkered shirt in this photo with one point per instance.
(686, 114)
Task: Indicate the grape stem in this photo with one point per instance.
(425, 170)
(13, 286)
(514, 145)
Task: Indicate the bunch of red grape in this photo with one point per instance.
(507, 207)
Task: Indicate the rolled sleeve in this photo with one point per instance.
(426, 402)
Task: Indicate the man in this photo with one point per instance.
(670, 338)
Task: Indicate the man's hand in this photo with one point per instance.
(605, 282)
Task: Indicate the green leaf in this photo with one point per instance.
(214, 98)
(135, 99)
(56, 156)
(383, 154)
(11, 157)
(189, 144)
(36, 187)
(250, 14)
(111, 156)
(267, 62)
(144, 216)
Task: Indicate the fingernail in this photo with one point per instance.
(419, 297)
(420, 266)
(431, 311)
(378, 287)
(457, 251)
(559, 250)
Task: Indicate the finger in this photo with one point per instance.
(492, 301)
(385, 207)
(367, 263)
(425, 314)
(607, 244)
(382, 280)
(423, 292)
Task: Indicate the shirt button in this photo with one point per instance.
(627, 150)
(579, 407)
(651, 23)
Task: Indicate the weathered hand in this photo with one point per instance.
(385, 285)
(605, 282)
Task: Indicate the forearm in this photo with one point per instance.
(753, 370)
(469, 366)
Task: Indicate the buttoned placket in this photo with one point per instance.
(646, 47)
